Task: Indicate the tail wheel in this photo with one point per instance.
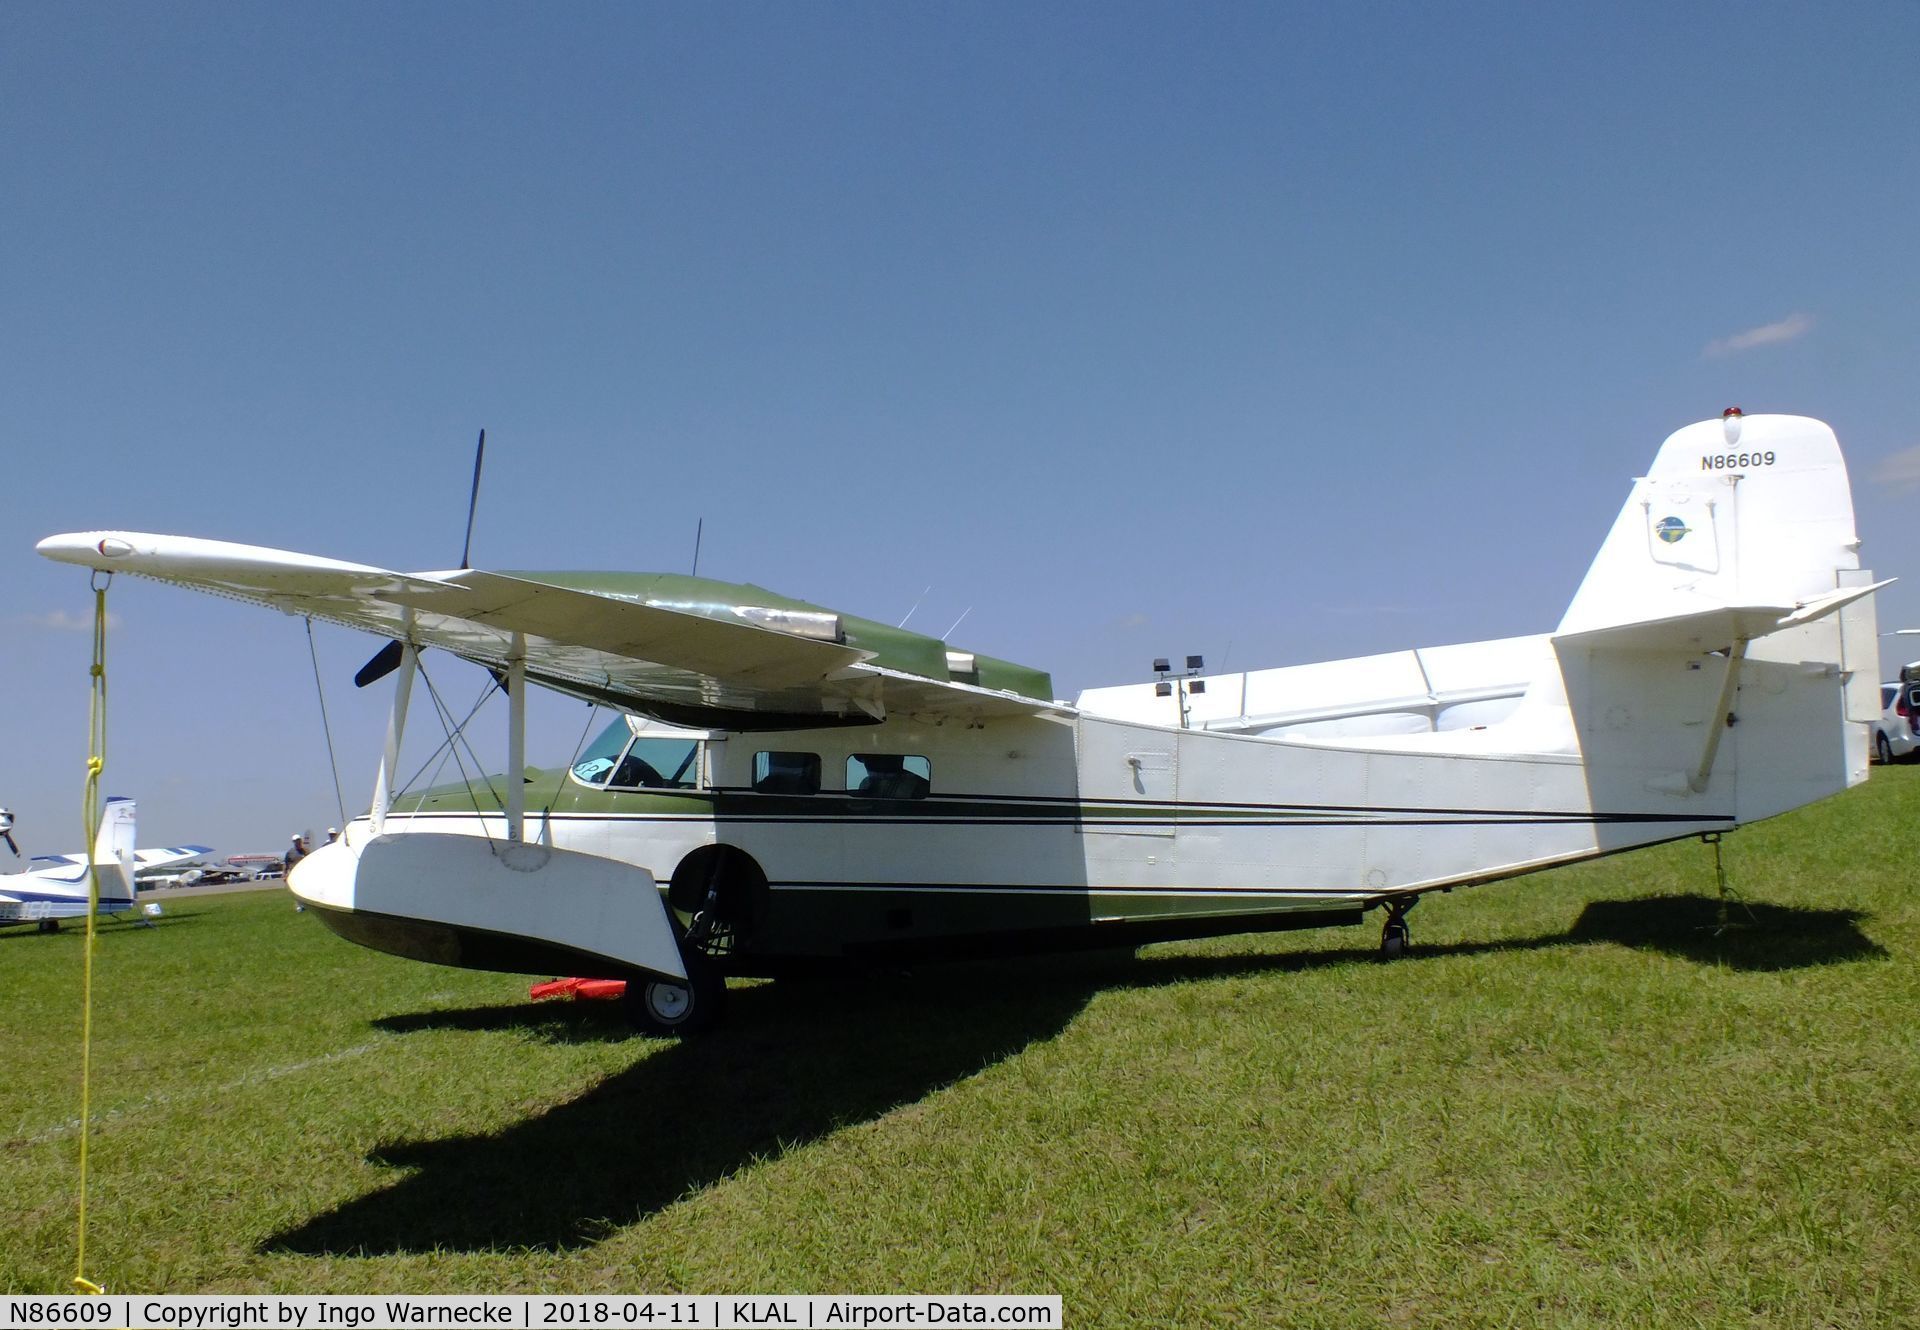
(1395, 937)
(719, 896)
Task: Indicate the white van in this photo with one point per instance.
(1893, 734)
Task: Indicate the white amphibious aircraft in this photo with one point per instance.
(57, 886)
(828, 790)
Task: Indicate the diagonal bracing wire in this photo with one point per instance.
(441, 752)
(457, 739)
(593, 709)
(326, 728)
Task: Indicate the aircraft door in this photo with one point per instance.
(1129, 780)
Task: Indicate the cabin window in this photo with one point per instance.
(889, 776)
(786, 773)
(658, 764)
(597, 763)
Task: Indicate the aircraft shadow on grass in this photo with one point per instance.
(794, 1063)
(798, 1061)
(1754, 937)
(1736, 934)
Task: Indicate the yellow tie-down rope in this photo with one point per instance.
(96, 760)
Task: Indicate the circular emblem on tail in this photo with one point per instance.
(1671, 529)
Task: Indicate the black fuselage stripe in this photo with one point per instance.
(1174, 892)
(1069, 802)
(1178, 816)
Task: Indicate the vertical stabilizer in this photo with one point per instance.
(1745, 510)
(113, 850)
(1721, 651)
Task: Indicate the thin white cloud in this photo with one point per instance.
(1132, 621)
(1789, 329)
(62, 621)
(1900, 472)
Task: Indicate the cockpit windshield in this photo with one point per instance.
(649, 762)
(597, 763)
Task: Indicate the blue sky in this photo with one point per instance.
(1271, 332)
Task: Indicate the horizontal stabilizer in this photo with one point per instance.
(1821, 606)
(1716, 629)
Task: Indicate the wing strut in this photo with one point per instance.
(516, 686)
(396, 724)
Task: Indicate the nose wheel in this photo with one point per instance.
(1395, 939)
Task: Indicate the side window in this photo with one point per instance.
(786, 773)
(655, 764)
(889, 776)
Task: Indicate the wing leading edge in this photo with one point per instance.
(701, 665)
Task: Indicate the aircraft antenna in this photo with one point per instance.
(473, 499)
(956, 623)
(699, 529)
(916, 605)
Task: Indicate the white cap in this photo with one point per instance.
(294, 836)
(333, 831)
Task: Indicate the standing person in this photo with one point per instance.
(333, 834)
(294, 856)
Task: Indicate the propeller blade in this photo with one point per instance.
(473, 500)
(385, 661)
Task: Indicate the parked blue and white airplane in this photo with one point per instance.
(57, 886)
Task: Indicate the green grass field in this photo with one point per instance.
(1576, 1104)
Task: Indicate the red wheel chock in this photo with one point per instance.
(603, 990)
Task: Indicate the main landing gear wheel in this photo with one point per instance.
(665, 1007)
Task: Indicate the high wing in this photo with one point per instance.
(711, 665)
